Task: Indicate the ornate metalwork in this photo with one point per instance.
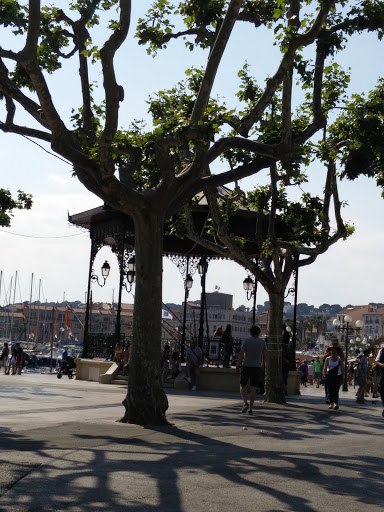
(96, 245)
(123, 254)
(292, 290)
(103, 345)
(184, 262)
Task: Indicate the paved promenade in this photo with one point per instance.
(61, 449)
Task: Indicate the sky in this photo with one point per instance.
(51, 257)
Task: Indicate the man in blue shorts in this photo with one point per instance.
(253, 352)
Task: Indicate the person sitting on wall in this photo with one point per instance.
(126, 354)
(175, 364)
(119, 354)
(217, 335)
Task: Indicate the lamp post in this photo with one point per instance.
(347, 328)
(250, 288)
(105, 269)
(293, 291)
(131, 278)
(131, 274)
(187, 286)
(202, 268)
(352, 344)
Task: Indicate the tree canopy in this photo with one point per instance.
(9, 203)
(282, 123)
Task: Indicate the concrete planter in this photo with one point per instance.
(293, 384)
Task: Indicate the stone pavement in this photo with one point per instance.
(61, 449)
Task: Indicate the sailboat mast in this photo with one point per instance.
(13, 307)
(113, 310)
(38, 316)
(30, 309)
(8, 300)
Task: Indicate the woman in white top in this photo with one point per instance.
(333, 371)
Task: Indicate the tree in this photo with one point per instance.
(9, 203)
(152, 172)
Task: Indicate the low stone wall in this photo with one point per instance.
(226, 379)
(211, 378)
(93, 369)
(219, 379)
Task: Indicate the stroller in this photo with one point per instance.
(66, 368)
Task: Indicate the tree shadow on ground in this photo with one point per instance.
(210, 457)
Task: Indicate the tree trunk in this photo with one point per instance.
(274, 385)
(146, 402)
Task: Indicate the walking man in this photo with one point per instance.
(380, 364)
(318, 367)
(361, 376)
(252, 355)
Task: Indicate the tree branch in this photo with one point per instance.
(23, 130)
(28, 60)
(227, 143)
(113, 92)
(214, 60)
(286, 131)
(296, 42)
(274, 195)
(12, 92)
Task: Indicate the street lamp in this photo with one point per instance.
(347, 328)
(202, 268)
(131, 274)
(351, 343)
(187, 286)
(250, 288)
(105, 270)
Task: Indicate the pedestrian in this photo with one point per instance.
(165, 355)
(311, 372)
(194, 358)
(380, 365)
(4, 359)
(227, 340)
(64, 355)
(327, 353)
(19, 358)
(286, 356)
(333, 372)
(375, 379)
(318, 367)
(12, 362)
(361, 376)
(252, 355)
(351, 372)
(304, 373)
